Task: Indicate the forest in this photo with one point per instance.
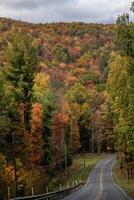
(65, 89)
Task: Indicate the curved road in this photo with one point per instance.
(100, 185)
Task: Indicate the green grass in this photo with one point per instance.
(127, 185)
(76, 172)
(79, 172)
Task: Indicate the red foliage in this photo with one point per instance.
(57, 136)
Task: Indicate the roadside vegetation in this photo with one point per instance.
(127, 185)
(76, 173)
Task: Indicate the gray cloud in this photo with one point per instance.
(64, 10)
(16, 4)
(95, 10)
(30, 4)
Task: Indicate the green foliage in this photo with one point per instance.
(62, 54)
(84, 60)
(120, 83)
(125, 35)
(90, 77)
(22, 60)
(77, 94)
(20, 72)
(125, 40)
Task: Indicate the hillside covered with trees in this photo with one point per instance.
(65, 88)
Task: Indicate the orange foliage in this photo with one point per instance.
(9, 173)
(70, 80)
(75, 136)
(36, 122)
(34, 139)
(65, 111)
(63, 65)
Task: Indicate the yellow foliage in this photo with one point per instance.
(42, 80)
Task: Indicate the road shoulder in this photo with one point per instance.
(126, 186)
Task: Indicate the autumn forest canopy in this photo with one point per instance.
(65, 88)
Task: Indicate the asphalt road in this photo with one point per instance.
(100, 185)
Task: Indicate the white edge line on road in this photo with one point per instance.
(89, 178)
(116, 185)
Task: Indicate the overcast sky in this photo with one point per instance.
(104, 11)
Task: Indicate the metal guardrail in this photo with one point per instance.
(53, 195)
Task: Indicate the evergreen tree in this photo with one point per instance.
(22, 62)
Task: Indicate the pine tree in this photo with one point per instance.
(22, 62)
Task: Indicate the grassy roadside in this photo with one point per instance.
(127, 185)
(76, 172)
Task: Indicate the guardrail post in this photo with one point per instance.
(32, 191)
(47, 189)
(67, 184)
(8, 192)
(54, 195)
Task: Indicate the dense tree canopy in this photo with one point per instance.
(65, 88)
